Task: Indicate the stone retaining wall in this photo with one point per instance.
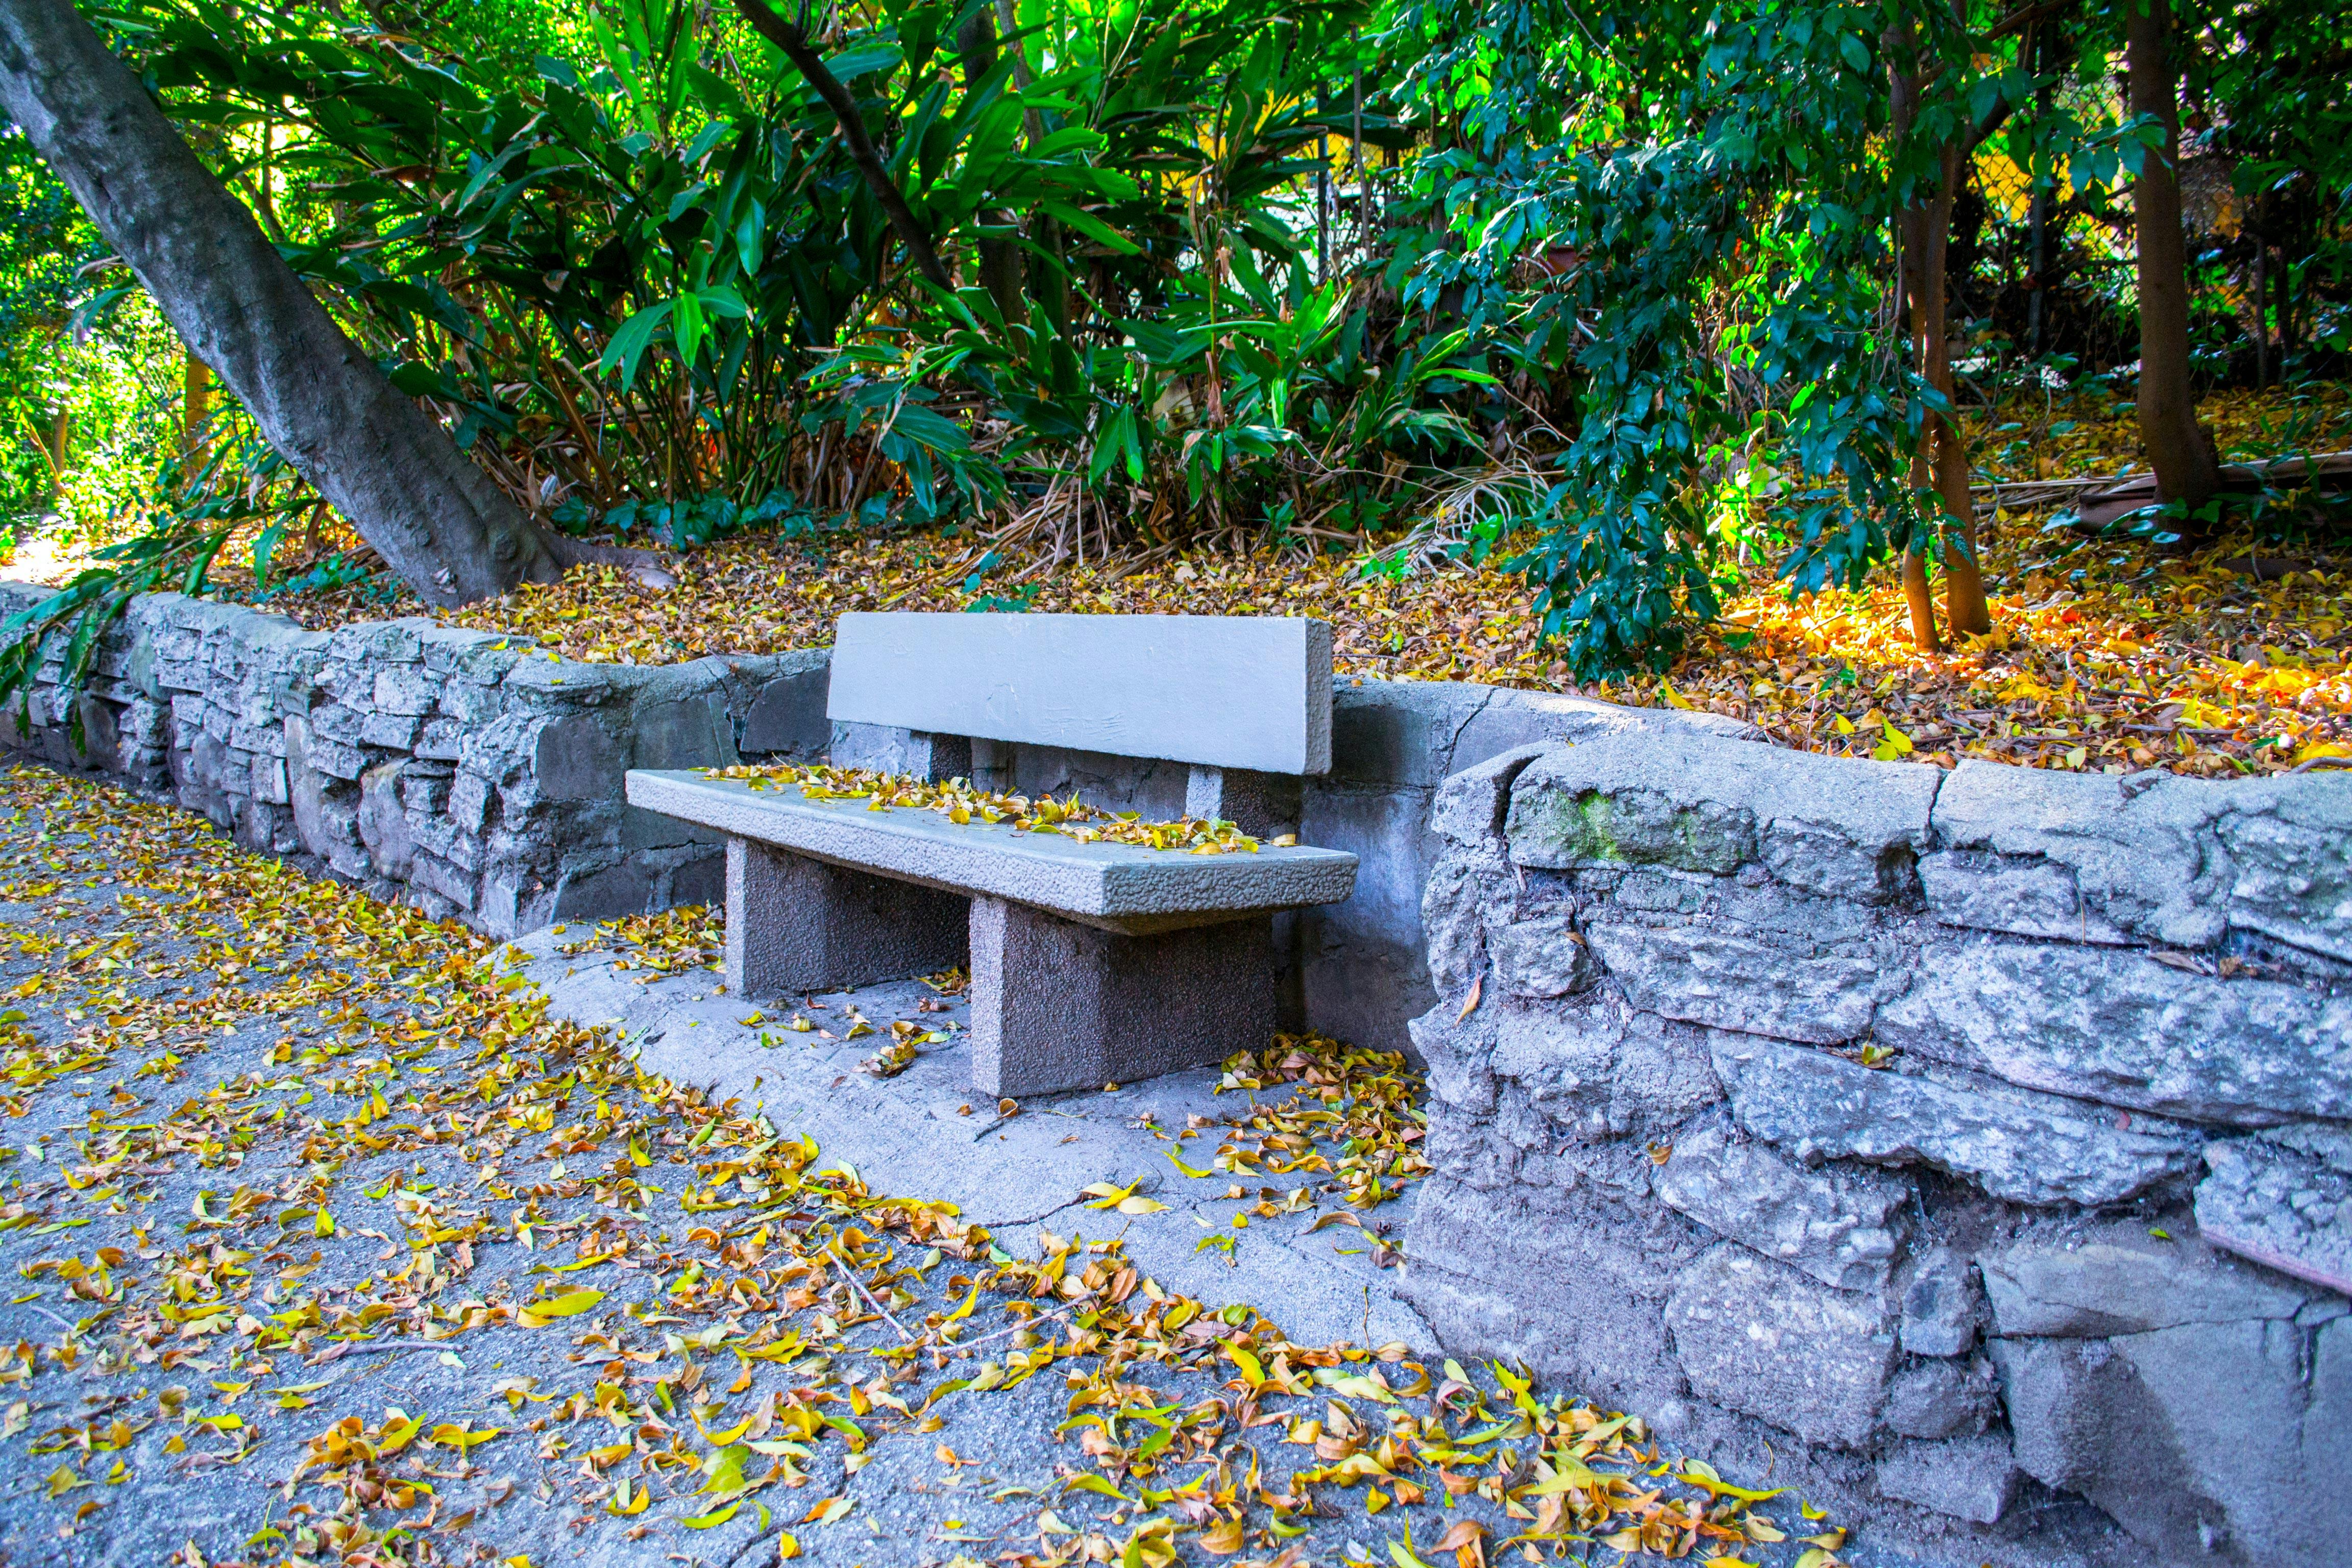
(469, 773)
(1956, 1146)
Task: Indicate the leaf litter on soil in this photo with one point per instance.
(2105, 653)
(423, 1162)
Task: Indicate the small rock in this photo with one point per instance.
(1943, 1308)
(1709, 975)
(2117, 1283)
(1841, 1224)
(1942, 1398)
(1765, 1340)
(1541, 957)
(383, 823)
(1469, 806)
(1973, 1479)
(2280, 1207)
(2022, 894)
(2120, 1026)
(2028, 1148)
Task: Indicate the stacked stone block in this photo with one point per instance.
(1989, 1134)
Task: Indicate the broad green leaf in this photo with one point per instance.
(1093, 227)
(629, 344)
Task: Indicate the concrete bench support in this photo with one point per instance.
(1261, 805)
(795, 924)
(1060, 1005)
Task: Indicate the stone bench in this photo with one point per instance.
(1089, 961)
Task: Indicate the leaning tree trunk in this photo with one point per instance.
(2179, 449)
(318, 398)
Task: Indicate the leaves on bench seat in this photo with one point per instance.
(958, 801)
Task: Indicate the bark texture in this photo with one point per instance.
(437, 519)
(2179, 449)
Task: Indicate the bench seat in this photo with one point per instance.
(1127, 889)
(1089, 963)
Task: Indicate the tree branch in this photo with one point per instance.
(794, 43)
(1995, 118)
(2025, 17)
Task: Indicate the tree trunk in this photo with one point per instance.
(1916, 234)
(2284, 272)
(437, 519)
(2041, 50)
(55, 446)
(1049, 274)
(2179, 449)
(1941, 462)
(1000, 260)
(2260, 287)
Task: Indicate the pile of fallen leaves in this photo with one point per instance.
(962, 801)
(2105, 653)
(1360, 1102)
(1565, 1474)
(741, 1325)
(688, 936)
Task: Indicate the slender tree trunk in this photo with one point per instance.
(57, 449)
(2038, 215)
(1000, 260)
(1323, 217)
(1048, 275)
(437, 519)
(1912, 231)
(2037, 223)
(2285, 274)
(2261, 289)
(1356, 151)
(2179, 449)
(1946, 447)
(1943, 460)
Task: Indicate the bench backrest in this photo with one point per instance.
(1226, 691)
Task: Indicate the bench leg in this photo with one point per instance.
(1261, 805)
(1060, 1005)
(795, 924)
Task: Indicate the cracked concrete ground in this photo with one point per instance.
(910, 1133)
